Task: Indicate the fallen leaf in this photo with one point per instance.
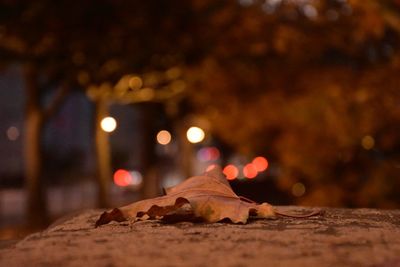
(208, 198)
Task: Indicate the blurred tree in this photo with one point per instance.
(297, 79)
(89, 45)
(314, 85)
(34, 50)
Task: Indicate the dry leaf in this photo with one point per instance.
(208, 198)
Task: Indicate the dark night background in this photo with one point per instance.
(299, 102)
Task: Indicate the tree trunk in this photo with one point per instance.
(34, 120)
(185, 156)
(102, 155)
(151, 184)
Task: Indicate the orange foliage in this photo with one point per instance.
(308, 91)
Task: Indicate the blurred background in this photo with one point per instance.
(105, 102)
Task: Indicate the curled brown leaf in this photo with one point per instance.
(208, 197)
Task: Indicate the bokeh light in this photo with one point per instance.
(164, 137)
(136, 178)
(135, 83)
(260, 163)
(108, 124)
(12, 133)
(367, 142)
(122, 178)
(250, 171)
(147, 94)
(208, 154)
(310, 11)
(231, 172)
(211, 167)
(298, 189)
(125, 178)
(195, 135)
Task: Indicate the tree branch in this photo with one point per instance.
(57, 100)
(392, 20)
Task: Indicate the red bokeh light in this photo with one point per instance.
(250, 171)
(214, 153)
(260, 163)
(122, 178)
(231, 172)
(208, 154)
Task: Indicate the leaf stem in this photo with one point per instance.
(311, 214)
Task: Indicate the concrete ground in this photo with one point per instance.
(341, 237)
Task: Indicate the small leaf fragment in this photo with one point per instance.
(265, 210)
(114, 215)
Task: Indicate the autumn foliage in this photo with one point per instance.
(314, 87)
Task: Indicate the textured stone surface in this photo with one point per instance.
(341, 237)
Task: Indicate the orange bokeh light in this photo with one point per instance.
(122, 178)
(250, 171)
(231, 172)
(260, 163)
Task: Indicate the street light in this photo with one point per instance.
(195, 135)
(108, 124)
(163, 137)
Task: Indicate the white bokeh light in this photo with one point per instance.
(195, 135)
(108, 124)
